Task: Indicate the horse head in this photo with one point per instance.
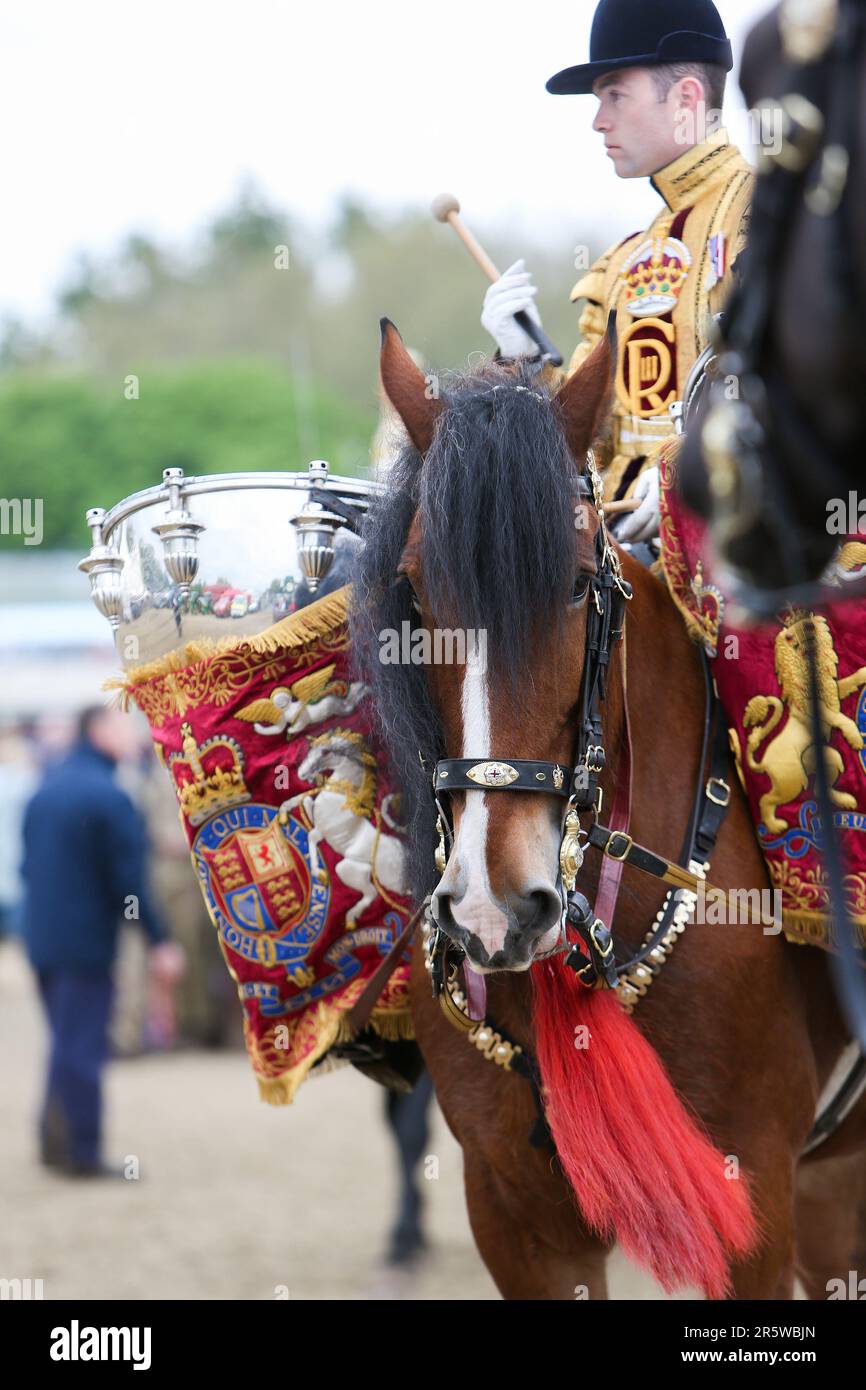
(483, 538)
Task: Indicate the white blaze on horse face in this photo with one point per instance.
(475, 909)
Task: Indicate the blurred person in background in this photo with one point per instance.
(18, 772)
(84, 873)
(205, 1004)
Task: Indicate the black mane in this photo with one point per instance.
(495, 496)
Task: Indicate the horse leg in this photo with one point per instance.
(522, 1263)
(356, 875)
(522, 1214)
(315, 863)
(769, 1272)
(831, 1223)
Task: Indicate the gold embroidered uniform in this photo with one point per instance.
(665, 285)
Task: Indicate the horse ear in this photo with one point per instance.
(583, 398)
(406, 388)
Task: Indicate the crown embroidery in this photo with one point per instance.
(208, 777)
(654, 276)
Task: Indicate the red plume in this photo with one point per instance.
(643, 1172)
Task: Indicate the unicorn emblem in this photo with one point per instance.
(340, 811)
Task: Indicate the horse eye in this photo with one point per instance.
(580, 590)
(412, 595)
(403, 578)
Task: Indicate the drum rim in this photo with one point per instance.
(198, 485)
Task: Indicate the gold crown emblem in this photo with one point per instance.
(208, 777)
(654, 276)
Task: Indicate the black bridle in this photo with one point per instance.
(606, 595)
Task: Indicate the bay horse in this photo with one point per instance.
(678, 1133)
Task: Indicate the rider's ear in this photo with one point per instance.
(583, 398)
(407, 388)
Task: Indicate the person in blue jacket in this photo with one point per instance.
(84, 873)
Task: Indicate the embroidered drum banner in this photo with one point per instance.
(293, 827)
(763, 684)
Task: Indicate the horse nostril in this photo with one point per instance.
(444, 918)
(538, 911)
(440, 906)
(441, 909)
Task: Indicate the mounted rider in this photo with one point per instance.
(658, 71)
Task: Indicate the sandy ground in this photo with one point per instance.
(236, 1199)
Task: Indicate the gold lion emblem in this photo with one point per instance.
(789, 759)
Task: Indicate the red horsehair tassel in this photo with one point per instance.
(642, 1171)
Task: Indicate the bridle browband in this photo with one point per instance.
(606, 597)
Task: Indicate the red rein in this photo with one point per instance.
(642, 1171)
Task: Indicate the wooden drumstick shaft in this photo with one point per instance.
(446, 208)
(473, 246)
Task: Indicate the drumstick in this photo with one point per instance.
(446, 208)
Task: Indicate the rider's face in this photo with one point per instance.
(641, 133)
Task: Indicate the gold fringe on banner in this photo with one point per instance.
(815, 929)
(297, 630)
(389, 1025)
(281, 1090)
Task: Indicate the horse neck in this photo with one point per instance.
(356, 782)
(664, 695)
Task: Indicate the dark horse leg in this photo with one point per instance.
(831, 1207)
(521, 1210)
(531, 1259)
(831, 1224)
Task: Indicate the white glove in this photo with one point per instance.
(509, 294)
(644, 521)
